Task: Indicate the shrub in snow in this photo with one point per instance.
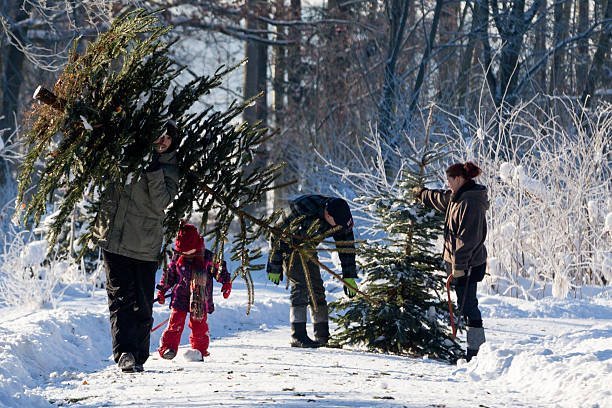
(25, 278)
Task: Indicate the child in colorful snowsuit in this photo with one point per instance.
(190, 275)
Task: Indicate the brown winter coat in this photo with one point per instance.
(465, 226)
(130, 221)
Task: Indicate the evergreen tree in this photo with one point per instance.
(97, 126)
(405, 312)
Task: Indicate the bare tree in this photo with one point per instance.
(562, 9)
(397, 12)
(601, 59)
(446, 58)
(255, 78)
(35, 37)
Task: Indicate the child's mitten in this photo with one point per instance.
(226, 289)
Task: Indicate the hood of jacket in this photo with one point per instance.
(474, 193)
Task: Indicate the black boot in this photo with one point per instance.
(470, 353)
(321, 333)
(299, 337)
(127, 363)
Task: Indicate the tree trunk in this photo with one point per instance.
(429, 45)
(280, 66)
(12, 79)
(540, 45)
(12, 76)
(463, 76)
(447, 58)
(601, 59)
(255, 71)
(398, 14)
(481, 22)
(512, 25)
(582, 62)
(562, 11)
(294, 60)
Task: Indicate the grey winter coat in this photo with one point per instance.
(130, 220)
(465, 225)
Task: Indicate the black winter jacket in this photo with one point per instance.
(312, 207)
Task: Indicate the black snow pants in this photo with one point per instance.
(130, 286)
(466, 295)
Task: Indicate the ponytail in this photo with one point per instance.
(467, 170)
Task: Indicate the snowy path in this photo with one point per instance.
(548, 353)
(259, 367)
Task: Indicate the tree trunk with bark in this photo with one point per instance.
(255, 81)
(601, 59)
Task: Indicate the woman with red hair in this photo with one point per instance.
(465, 230)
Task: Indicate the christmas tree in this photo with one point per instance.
(405, 312)
(97, 126)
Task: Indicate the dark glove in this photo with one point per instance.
(161, 297)
(350, 287)
(154, 165)
(226, 289)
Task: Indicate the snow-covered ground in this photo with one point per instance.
(538, 354)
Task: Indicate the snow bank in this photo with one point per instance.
(498, 306)
(65, 343)
(59, 343)
(571, 369)
(527, 352)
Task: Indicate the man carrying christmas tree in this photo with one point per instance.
(129, 227)
(313, 217)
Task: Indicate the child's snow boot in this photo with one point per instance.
(299, 337)
(167, 354)
(193, 355)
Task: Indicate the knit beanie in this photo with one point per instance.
(340, 212)
(189, 238)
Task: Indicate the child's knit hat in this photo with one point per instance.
(188, 239)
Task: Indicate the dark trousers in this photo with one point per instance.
(466, 296)
(130, 286)
(470, 307)
(300, 295)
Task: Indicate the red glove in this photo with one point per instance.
(161, 297)
(226, 289)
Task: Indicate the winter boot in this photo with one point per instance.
(299, 337)
(168, 354)
(475, 338)
(320, 320)
(470, 353)
(127, 363)
(193, 355)
(321, 333)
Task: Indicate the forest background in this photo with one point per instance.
(356, 88)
